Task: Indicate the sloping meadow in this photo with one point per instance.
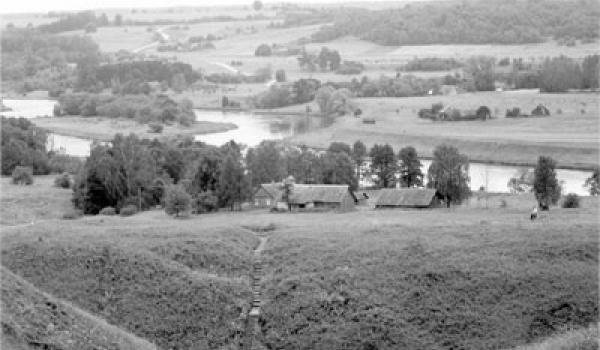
(174, 285)
(443, 279)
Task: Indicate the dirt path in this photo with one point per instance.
(256, 275)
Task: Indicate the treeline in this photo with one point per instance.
(175, 75)
(477, 22)
(39, 60)
(24, 145)
(142, 108)
(261, 75)
(431, 64)
(558, 74)
(76, 21)
(300, 91)
(398, 86)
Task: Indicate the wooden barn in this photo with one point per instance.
(267, 195)
(407, 198)
(335, 197)
(307, 196)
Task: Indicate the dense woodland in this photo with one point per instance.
(477, 22)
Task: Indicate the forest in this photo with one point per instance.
(480, 22)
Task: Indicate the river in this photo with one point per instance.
(252, 129)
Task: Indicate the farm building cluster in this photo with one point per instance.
(322, 197)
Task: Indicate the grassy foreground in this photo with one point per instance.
(459, 278)
(104, 129)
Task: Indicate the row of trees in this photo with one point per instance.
(486, 22)
(300, 91)
(326, 60)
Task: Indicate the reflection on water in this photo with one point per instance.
(29, 108)
(253, 128)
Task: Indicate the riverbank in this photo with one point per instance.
(104, 129)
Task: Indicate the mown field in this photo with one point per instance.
(569, 135)
(465, 277)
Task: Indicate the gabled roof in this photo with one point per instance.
(405, 197)
(272, 189)
(306, 193)
(302, 194)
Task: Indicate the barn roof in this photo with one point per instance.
(306, 193)
(405, 197)
(302, 194)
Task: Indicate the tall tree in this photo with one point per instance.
(449, 174)
(359, 151)
(545, 184)
(339, 147)
(593, 183)
(233, 186)
(265, 163)
(177, 200)
(338, 168)
(410, 167)
(383, 165)
(257, 5)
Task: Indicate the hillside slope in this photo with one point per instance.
(32, 319)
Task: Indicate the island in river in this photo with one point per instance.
(104, 129)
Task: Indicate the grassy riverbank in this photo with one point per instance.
(104, 129)
(570, 135)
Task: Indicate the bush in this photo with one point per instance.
(63, 163)
(128, 210)
(63, 181)
(571, 201)
(177, 200)
(108, 211)
(72, 215)
(155, 128)
(22, 175)
(204, 202)
(263, 50)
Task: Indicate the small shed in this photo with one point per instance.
(407, 198)
(267, 195)
(335, 197)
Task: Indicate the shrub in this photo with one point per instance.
(63, 163)
(128, 210)
(63, 181)
(177, 200)
(204, 202)
(155, 128)
(109, 211)
(22, 175)
(571, 201)
(263, 50)
(72, 215)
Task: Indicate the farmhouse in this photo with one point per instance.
(307, 196)
(407, 198)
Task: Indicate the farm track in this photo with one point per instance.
(252, 327)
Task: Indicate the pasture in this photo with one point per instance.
(463, 277)
(568, 135)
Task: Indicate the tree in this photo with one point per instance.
(118, 20)
(177, 200)
(287, 188)
(265, 163)
(359, 151)
(90, 28)
(383, 165)
(257, 5)
(449, 174)
(410, 167)
(560, 74)
(22, 175)
(263, 50)
(545, 184)
(339, 147)
(593, 183)
(280, 75)
(322, 98)
(590, 71)
(233, 186)
(338, 168)
(178, 83)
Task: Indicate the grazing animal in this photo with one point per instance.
(534, 213)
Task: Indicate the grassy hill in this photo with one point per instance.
(459, 278)
(175, 284)
(32, 319)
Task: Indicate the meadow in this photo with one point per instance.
(569, 134)
(466, 277)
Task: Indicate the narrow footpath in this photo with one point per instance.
(252, 327)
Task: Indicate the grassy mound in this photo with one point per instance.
(143, 281)
(31, 319)
(443, 279)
